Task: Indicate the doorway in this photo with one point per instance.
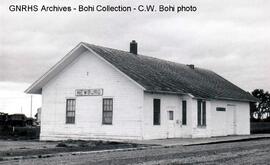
(171, 124)
(231, 123)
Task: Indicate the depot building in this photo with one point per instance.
(96, 92)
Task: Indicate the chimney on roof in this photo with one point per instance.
(191, 66)
(133, 47)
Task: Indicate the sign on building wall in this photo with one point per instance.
(89, 92)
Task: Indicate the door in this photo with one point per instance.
(231, 120)
(170, 124)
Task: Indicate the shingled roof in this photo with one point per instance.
(161, 76)
(155, 75)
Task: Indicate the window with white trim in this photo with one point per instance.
(70, 111)
(156, 111)
(221, 109)
(107, 114)
(184, 112)
(201, 115)
(170, 115)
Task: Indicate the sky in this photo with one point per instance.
(229, 37)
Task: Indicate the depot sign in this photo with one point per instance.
(88, 92)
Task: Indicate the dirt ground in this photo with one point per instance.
(10, 145)
(246, 152)
(11, 148)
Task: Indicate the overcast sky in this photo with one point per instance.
(230, 38)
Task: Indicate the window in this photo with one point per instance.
(184, 112)
(107, 111)
(201, 113)
(170, 115)
(221, 109)
(70, 111)
(156, 103)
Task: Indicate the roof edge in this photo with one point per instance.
(164, 92)
(50, 70)
(233, 99)
(197, 97)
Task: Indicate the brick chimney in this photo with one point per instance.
(133, 47)
(191, 66)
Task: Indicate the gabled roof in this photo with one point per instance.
(161, 76)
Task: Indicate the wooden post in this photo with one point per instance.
(31, 107)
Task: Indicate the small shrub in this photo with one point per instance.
(69, 141)
(61, 144)
(99, 142)
(134, 145)
(83, 145)
(260, 127)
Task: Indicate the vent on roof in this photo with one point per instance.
(191, 66)
(133, 47)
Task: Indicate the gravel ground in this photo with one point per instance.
(247, 152)
(11, 145)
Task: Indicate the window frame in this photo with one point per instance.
(106, 111)
(201, 113)
(171, 115)
(72, 109)
(221, 109)
(184, 112)
(156, 111)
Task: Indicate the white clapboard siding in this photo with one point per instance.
(90, 72)
(132, 108)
